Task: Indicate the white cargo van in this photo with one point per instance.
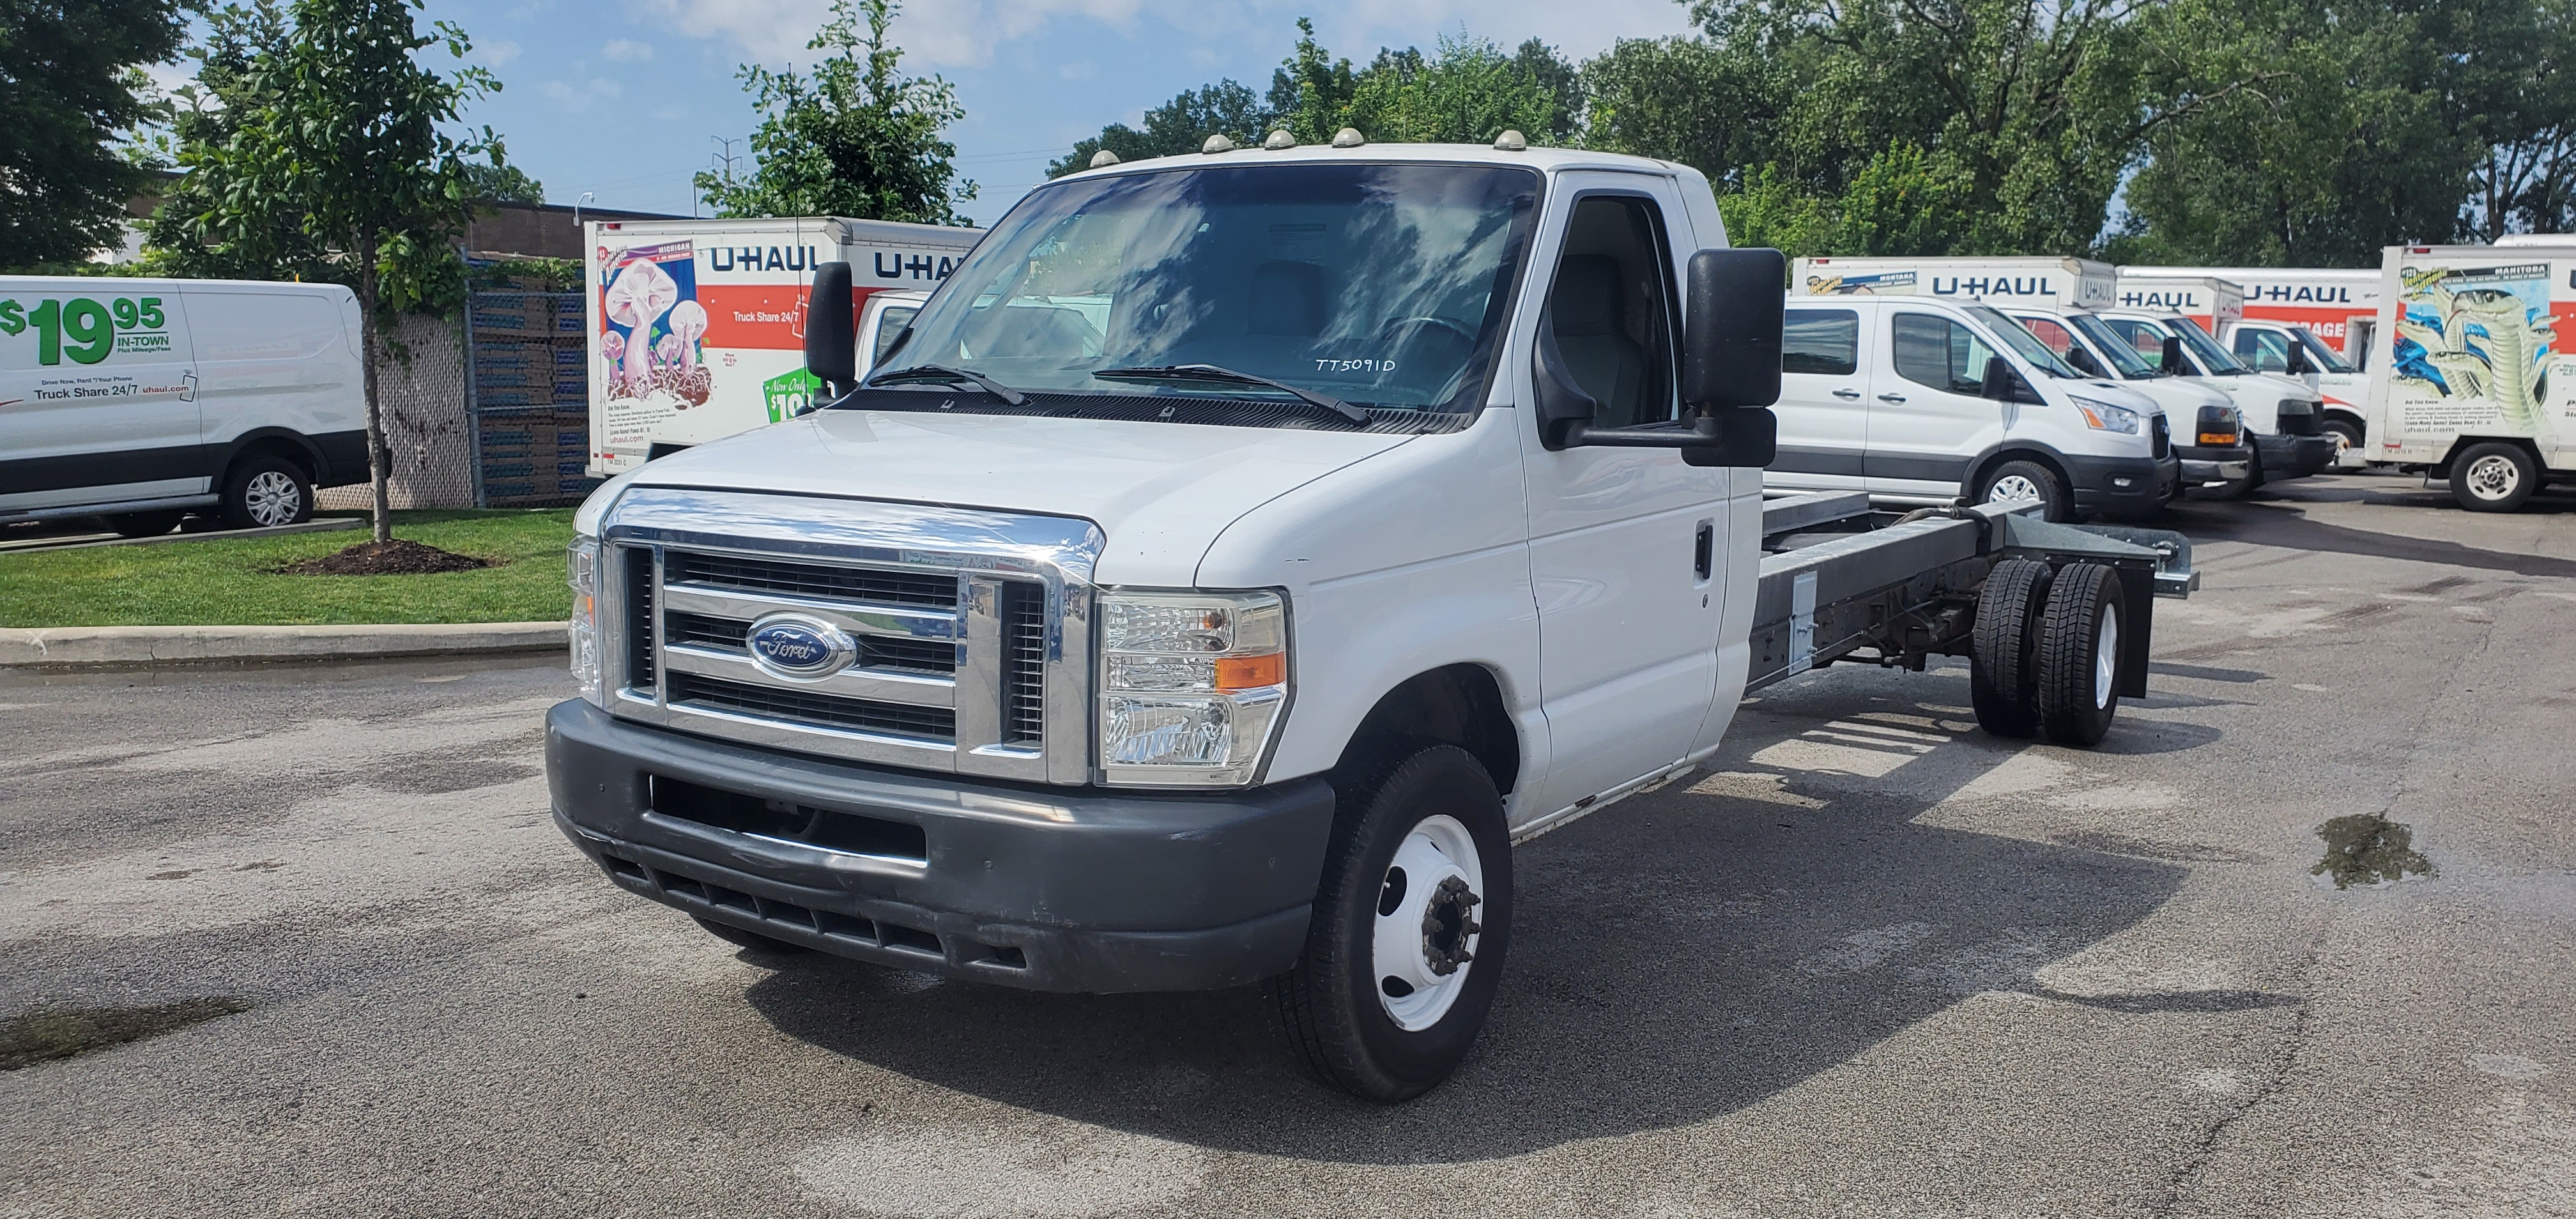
(1918, 400)
(2474, 377)
(720, 307)
(2209, 432)
(146, 400)
(2283, 416)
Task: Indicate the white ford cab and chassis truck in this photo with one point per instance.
(1233, 559)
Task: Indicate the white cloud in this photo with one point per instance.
(626, 50)
(495, 54)
(574, 99)
(941, 34)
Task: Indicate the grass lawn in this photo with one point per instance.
(228, 583)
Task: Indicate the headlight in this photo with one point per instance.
(2221, 426)
(582, 562)
(1191, 686)
(2104, 417)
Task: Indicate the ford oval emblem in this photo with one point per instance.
(800, 647)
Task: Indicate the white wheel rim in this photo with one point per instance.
(1423, 944)
(2013, 489)
(272, 498)
(2106, 657)
(2493, 477)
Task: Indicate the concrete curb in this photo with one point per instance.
(82, 646)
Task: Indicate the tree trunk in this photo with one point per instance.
(379, 462)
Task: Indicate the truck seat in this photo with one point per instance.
(1591, 331)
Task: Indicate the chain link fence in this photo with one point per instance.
(487, 410)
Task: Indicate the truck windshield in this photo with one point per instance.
(2218, 360)
(2319, 354)
(1379, 285)
(2024, 343)
(2107, 343)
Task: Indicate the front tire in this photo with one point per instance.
(2022, 482)
(2348, 449)
(1409, 931)
(266, 492)
(2494, 477)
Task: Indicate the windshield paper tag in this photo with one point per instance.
(1376, 366)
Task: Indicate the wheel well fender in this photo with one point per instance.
(1459, 704)
(281, 443)
(1984, 464)
(2351, 417)
(2459, 445)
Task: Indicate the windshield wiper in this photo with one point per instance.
(942, 372)
(1210, 372)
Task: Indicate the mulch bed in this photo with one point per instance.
(394, 558)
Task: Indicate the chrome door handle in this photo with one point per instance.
(1846, 393)
(1891, 397)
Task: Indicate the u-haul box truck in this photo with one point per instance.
(2337, 305)
(2074, 283)
(2474, 375)
(2212, 302)
(697, 327)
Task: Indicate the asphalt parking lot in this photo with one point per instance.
(1868, 961)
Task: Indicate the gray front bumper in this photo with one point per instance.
(1066, 889)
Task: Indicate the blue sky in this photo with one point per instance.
(623, 99)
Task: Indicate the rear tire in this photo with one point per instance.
(144, 524)
(2079, 654)
(266, 492)
(2003, 682)
(753, 940)
(2493, 477)
(2027, 481)
(1409, 931)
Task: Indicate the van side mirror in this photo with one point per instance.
(2083, 362)
(1733, 310)
(2171, 363)
(1999, 382)
(2297, 363)
(831, 330)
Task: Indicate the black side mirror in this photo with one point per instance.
(2084, 362)
(2171, 363)
(2000, 383)
(1733, 310)
(831, 330)
(2298, 361)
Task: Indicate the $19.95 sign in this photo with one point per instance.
(87, 329)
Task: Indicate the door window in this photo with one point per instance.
(1939, 353)
(890, 326)
(1611, 309)
(1823, 342)
(2048, 330)
(2266, 350)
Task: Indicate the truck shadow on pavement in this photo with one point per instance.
(2284, 525)
(1677, 957)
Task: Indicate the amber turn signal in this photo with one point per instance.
(1251, 672)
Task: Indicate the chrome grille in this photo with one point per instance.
(959, 622)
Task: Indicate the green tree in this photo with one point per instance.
(343, 128)
(69, 87)
(1181, 125)
(488, 183)
(1468, 93)
(856, 137)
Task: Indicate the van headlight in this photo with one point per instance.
(2104, 417)
(582, 564)
(1191, 686)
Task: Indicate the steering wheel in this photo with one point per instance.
(1416, 323)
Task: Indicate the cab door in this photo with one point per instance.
(1627, 545)
(1824, 396)
(1927, 418)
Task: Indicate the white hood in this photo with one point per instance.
(1161, 492)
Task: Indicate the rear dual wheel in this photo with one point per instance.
(2044, 657)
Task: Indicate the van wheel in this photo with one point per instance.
(2079, 654)
(1410, 926)
(2027, 482)
(145, 524)
(2493, 477)
(2003, 684)
(265, 492)
(2347, 437)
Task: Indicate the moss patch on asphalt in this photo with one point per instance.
(66, 1032)
(235, 581)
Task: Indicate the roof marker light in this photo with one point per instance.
(1103, 157)
(1348, 137)
(1511, 141)
(1280, 141)
(1216, 144)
